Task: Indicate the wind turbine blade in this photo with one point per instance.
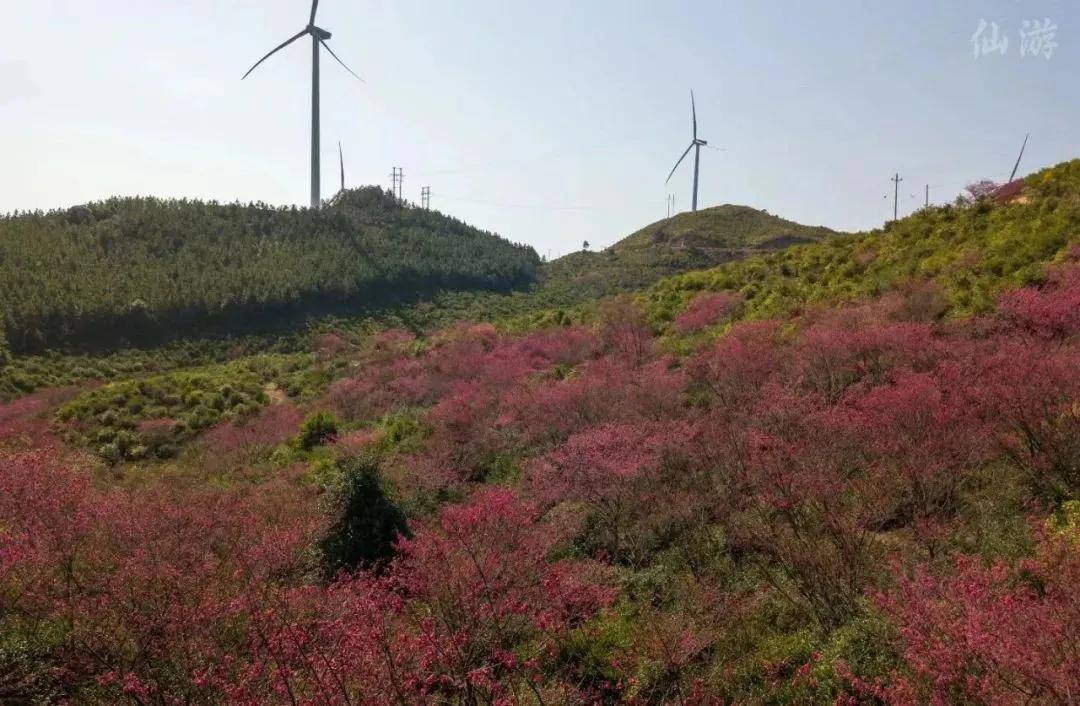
(1017, 165)
(679, 162)
(314, 9)
(693, 110)
(275, 50)
(327, 46)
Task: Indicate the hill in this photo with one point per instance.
(683, 243)
(137, 270)
(970, 253)
(686, 241)
(134, 335)
(867, 495)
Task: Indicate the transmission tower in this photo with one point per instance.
(397, 177)
(425, 198)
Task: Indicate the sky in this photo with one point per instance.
(550, 123)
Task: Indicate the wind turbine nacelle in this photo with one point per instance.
(700, 142)
(319, 32)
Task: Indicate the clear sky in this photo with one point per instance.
(549, 122)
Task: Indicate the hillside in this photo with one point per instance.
(138, 270)
(679, 244)
(970, 254)
(687, 241)
(866, 492)
(683, 243)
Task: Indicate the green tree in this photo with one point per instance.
(367, 521)
(316, 430)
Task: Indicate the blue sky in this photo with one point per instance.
(550, 123)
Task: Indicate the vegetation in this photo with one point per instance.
(971, 251)
(850, 504)
(687, 241)
(317, 430)
(153, 416)
(797, 478)
(129, 271)
(367, 523)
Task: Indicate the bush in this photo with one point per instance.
(316, 430)
(367, 522)
(5, 354)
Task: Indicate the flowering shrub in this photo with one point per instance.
(235, 442)
(570, 516)
(1050, 312)
(836, 355)
(993, 634)
(471, 610)
(706, 309)
(142, 585)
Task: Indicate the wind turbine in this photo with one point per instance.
(1017, 165)
(341, 157)
(696, 145)
(318, 36)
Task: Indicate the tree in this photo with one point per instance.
(5, 353)
(367, 522)
(976, 191)
(316, 430)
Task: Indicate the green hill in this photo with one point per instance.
(137, 270)
(687, 241)
(970, 252)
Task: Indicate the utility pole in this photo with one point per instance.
(425, 198)
(927, 203)
(896, 195)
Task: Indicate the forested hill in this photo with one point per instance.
(136, 270)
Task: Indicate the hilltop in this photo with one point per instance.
(139, 270)
(684, 242)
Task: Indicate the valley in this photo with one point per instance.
(371, 454)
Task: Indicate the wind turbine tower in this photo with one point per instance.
(318, 37)
(341, 159)
(1021, 156)
(695, 144)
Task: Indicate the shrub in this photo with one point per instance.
(5, 353)
(1050, 312)
(990, 634)
(366, 522)
(316, 430)
(706, 309)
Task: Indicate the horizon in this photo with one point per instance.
(186, 127)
